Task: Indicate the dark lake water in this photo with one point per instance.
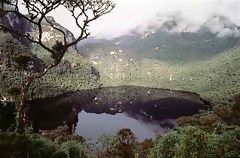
(93, 126)
(92, 113)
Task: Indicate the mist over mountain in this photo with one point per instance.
(156, 79)
(171, 52)
(176, 23)
(170, 38)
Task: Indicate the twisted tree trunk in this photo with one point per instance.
(22, 118)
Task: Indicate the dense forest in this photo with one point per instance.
(157, 93)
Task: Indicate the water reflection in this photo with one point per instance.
(92, 113)
(93, 126)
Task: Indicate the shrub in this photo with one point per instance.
(193, 142)
(144, 148)
(74, 149)
(123, 145)
(165, 147)
(34, 146)
(228, 144)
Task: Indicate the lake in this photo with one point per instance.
(92, 113)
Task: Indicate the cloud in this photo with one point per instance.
(129, 14)
(226, 32)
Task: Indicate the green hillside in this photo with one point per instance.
(200, 61)
(73, 73)
(216, 79)
(166, 44)
(184, 47)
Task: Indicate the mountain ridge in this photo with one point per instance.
(198, 62)
(168, 45)
(73, 73)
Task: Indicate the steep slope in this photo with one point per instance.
(74, 72)
(215, 79)
(172, 41)
(204, 61)
(17, 23)
(50, 35)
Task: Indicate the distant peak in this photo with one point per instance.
(166, 23)
(219, 20)
(222, 26)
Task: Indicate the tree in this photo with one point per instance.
(83, 13)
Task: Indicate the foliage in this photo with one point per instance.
(83, 13)
(189, 141)
(123, 145)
(193, 142)
(215, 78)
(74, 150)
(144, 148)
(228, 143)
(35, 146)
(73, 73)
(236, 108)
(164, 147)
(13, 53)
(104, 144)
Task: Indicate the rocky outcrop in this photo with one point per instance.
(18, 58)
(19, 24)
(50, 35)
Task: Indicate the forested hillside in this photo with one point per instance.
(74, 72)
(203, 61)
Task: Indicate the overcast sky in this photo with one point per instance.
(129, 14)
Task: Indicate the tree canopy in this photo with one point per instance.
(82, 11)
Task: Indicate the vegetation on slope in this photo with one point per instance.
(199, 61)
(33, 145)
(170, 41)
(172, 47)
(216, 79)
(74, 73)
(191, 142)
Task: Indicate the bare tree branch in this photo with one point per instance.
(83, 13)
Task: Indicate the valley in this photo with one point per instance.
(164, 89)
(198, 62)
